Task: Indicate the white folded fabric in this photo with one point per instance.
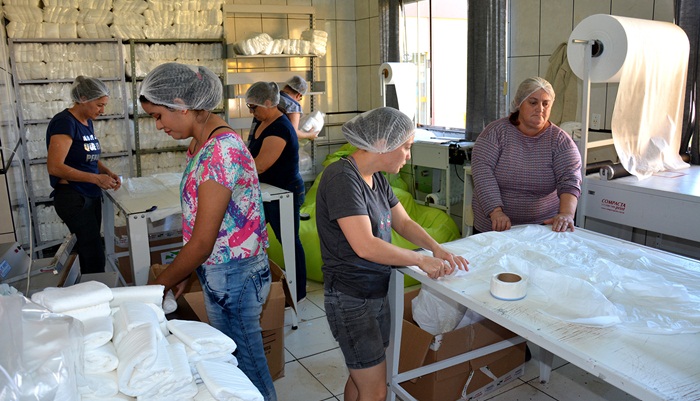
(180, 385)
(203, 393)
(148, 294)
(169, 303)
(131, 315)
(98, 385)
(193, 356)
(227, 382)
(76, 296)
(143, 361)
(101, 360)
(82, 314)
(118, 397)
(201, 337)
(97, 332)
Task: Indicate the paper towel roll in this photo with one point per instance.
(650, 61)
(508, 286)
(403, 77)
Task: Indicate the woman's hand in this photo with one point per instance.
(105, 181)
(561, 222)
(499, 220)
(442, 263)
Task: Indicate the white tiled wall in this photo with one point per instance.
(537, 27)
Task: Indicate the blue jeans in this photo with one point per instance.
(234, 294)
(83, 216)
(272, 216)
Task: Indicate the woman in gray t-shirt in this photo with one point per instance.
(356, 211)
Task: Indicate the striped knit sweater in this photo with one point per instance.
(523, 175)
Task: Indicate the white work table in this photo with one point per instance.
(153, 198)
(643, 363)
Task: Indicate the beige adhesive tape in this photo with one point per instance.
(508, 286)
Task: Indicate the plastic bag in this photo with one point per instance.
(312, 122)
(436, 314)
(40, 356)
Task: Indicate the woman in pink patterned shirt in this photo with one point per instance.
(223, 227)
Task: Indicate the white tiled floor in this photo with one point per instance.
(315, 370)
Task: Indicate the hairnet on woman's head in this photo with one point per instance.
(380, 130)
(299, 84)
(266, 94)
(182, 87)
(527, 88)
(86, 89)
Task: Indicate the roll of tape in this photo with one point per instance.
(508, 286)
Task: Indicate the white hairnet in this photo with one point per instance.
(182, 87)
(527, 88)
(86, 89)
(299, 84)
(266, 94)
(380, 130)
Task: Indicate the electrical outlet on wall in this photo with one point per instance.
(595, 121)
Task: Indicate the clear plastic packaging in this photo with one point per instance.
(40, 355)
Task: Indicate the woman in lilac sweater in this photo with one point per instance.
(526, 170)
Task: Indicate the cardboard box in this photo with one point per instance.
(157, 257)
(271, 319)
(273, 341)
(448, 384)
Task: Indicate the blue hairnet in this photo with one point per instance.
(380, 130)
(266, 94)
(527, 88)
(299, 84)
(86, 89)
(182, 87)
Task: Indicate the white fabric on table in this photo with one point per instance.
(193, 356)
(143, 360)
(148, 294)
(89, 312)
(227, 382)
(131, 315)
(101, 360)
(78, 296)
(201, 337)
(97, 332)
(98, 385)
(203, 393)
(180, 385)
(117, 397)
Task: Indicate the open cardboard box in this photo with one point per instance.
(191, 305)
(448, 384)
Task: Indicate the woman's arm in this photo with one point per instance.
(358, 231)
(59, 145)
(294, 119)
(212, 201)
(270, 151)
(105, 170)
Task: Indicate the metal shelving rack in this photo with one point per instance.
(239, 77)
(135, 79)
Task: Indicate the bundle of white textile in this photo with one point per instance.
(180, 384)
(144, 361)
(78, 296)
(131, 315)
(227, 382)
(148, 294)
(201, 337)
(254, 43)
(318, 41)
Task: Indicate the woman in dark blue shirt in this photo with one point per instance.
(76, 172)
(273, 143)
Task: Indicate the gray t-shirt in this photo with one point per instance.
(341, 193)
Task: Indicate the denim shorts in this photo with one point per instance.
(361, 327)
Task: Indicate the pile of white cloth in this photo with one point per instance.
(144, 355)
(318, 40)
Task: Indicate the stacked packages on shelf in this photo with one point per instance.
(312, 42)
